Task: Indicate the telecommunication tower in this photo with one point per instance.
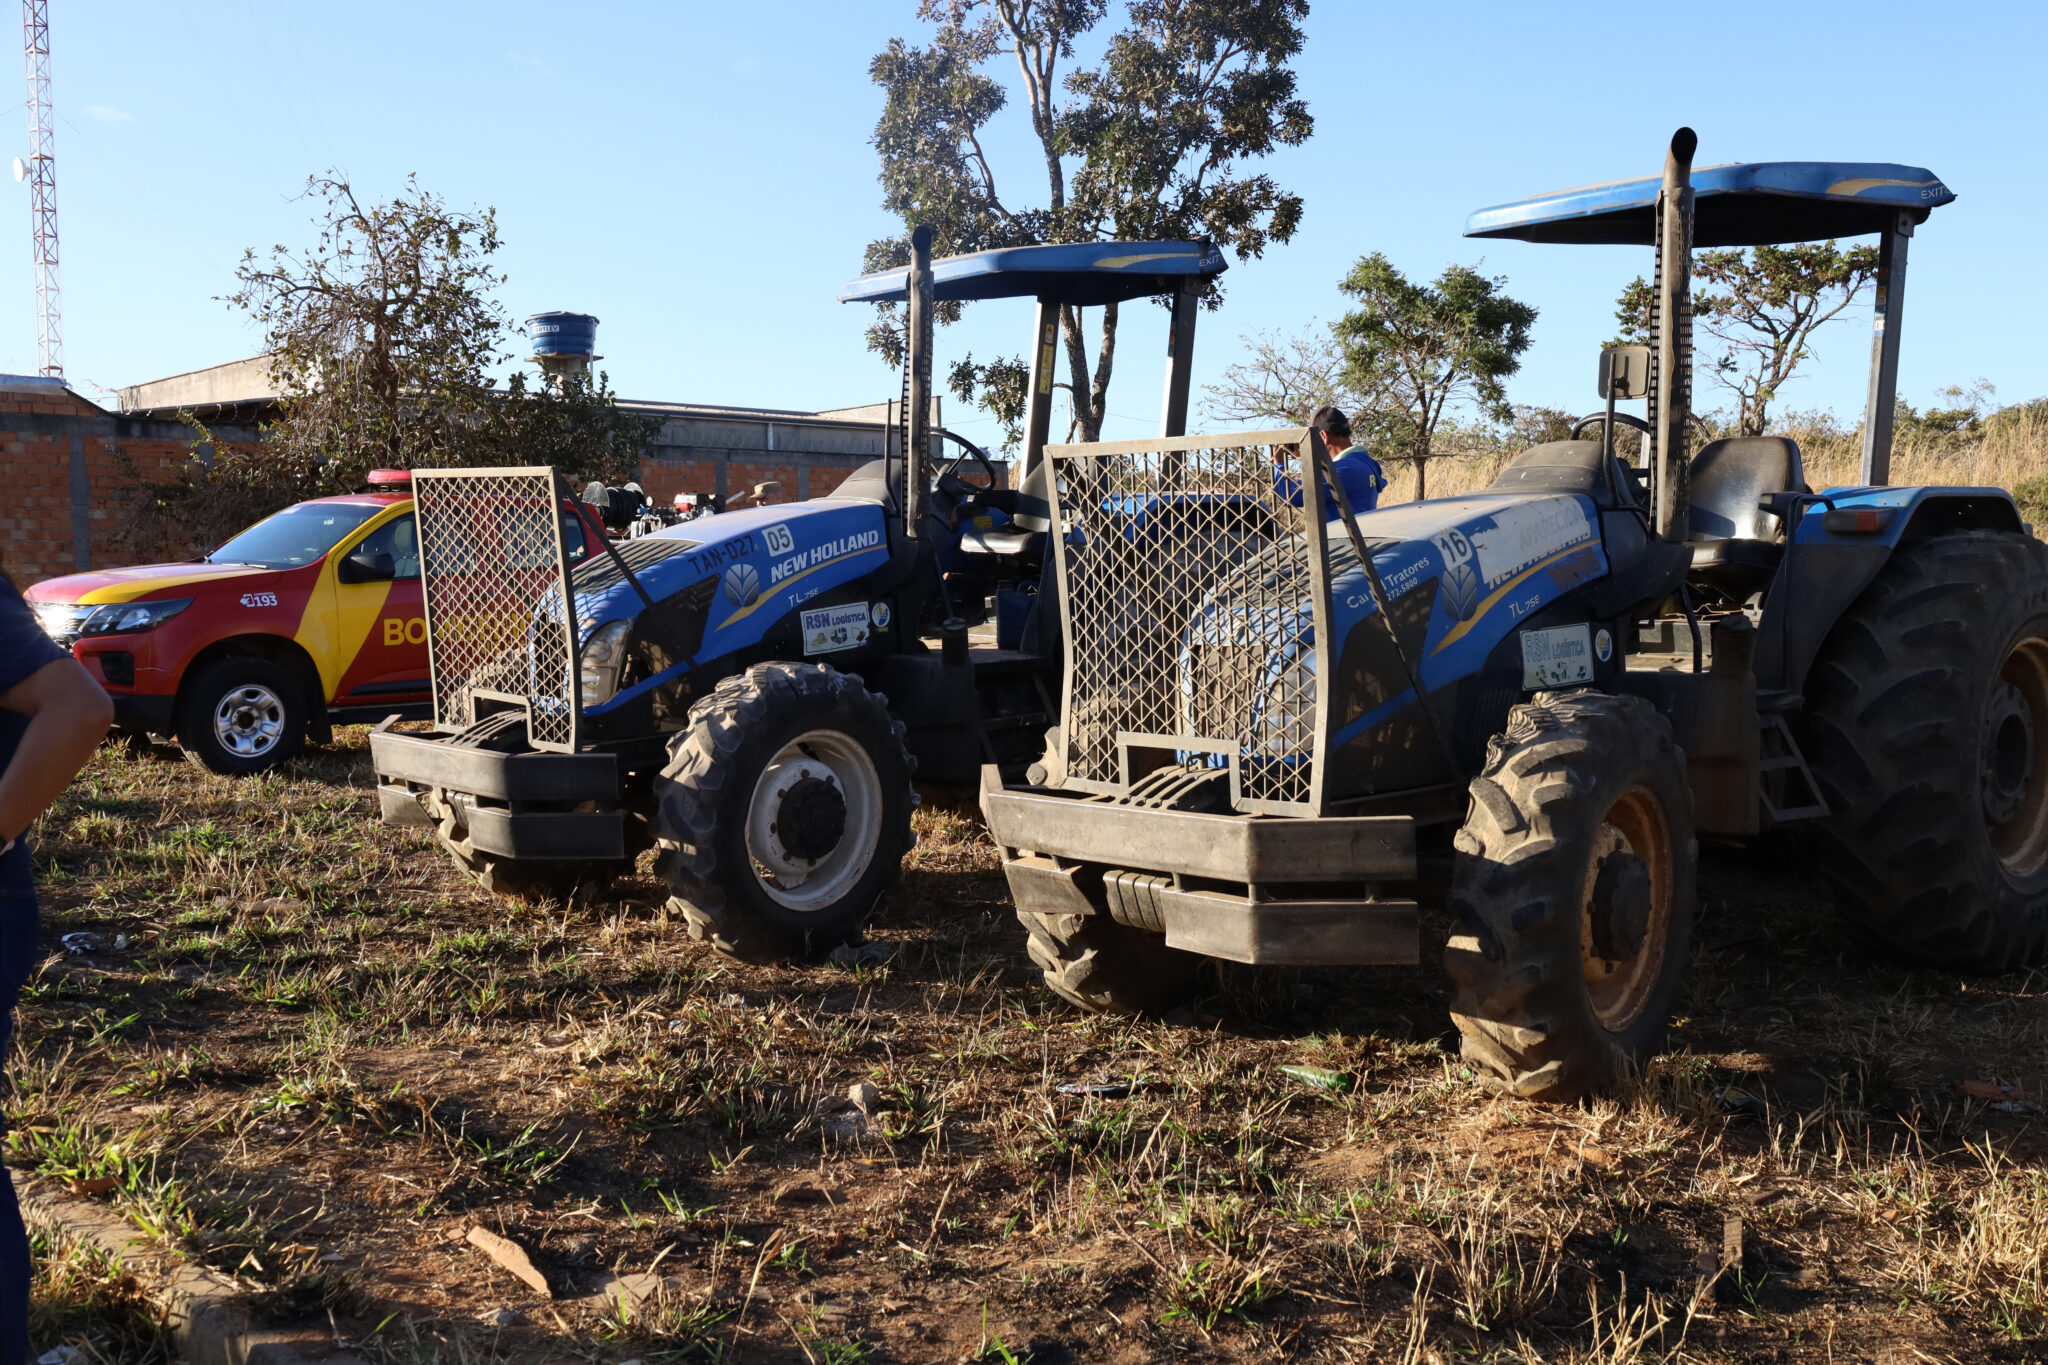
(40, 170)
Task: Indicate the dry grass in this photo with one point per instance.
(321, 1056)
(2010, 454)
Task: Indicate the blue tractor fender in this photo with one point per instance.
(1833, 554)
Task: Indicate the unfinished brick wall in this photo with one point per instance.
(69, 473)
(663, 478)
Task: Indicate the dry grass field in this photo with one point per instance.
(2010, 453)
(307, 1053)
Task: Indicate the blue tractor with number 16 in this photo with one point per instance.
(1283, 732)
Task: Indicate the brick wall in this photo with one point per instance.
(68, 478)
(70, 471)
(801, 475)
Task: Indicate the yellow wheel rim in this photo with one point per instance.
(1620, 988)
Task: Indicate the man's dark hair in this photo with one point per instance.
(1331, 422)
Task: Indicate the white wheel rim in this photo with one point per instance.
(812, 883)
(249, 720)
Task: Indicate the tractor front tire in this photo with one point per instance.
(532, 881)
(1109, 968)
(783, 812)
(1927, 732)
(1573, 891)
(524, 879)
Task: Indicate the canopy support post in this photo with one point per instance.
(1884, 352)
(1180, 359)
(1045, 340)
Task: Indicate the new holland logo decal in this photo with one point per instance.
(1461, 591)
(742, 585)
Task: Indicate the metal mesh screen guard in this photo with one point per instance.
(1192, 585)
(495, 578)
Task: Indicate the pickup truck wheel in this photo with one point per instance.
(1110, 968)
(1573, 890)
(241, 715)
(784, 811)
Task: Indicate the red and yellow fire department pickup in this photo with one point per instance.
(310, 618)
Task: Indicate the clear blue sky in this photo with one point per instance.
(699, 175)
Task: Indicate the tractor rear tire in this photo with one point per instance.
(818, 745)
(1109, 968)
(1927, 732)
(1573, 891)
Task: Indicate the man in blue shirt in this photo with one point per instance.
(1359, 472)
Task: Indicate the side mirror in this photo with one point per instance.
(365, 566)
(1625, 372)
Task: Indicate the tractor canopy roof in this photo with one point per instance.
(1084, 274)
(1740, 204)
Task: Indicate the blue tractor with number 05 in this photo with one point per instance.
(750, 693)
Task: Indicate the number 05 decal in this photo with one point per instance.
(780, 542)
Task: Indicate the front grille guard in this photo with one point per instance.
(494, 574)
(1193, 592)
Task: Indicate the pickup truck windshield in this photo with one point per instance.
(295, 537)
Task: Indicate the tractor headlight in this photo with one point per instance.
(127, 618)
(1287, 713)
(603, 658)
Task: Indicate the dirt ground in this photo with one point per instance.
(303, 1048)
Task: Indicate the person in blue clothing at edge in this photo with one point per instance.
(1360, 472)
(53, 714)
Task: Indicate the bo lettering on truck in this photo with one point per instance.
(405, 630)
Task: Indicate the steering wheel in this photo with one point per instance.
(949, 480)
(1599, 417)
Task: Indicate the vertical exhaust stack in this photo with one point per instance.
(1671, 400)
(917, 381)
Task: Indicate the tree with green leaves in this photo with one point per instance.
(382, 337)
(1146, 143)
(1763, 305)
(1425, 348)
(381, 334)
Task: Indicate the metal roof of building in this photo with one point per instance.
(1740, 204)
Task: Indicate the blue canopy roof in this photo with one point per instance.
(1734, 205)
(1085, 274)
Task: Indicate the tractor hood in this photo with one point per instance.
(758, 563)
(1489, 560)
(719, 584)
(1459, 574)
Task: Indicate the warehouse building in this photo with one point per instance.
(69, 467)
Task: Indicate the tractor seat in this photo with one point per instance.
(1004, 540)
(1736, 545)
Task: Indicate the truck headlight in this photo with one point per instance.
(1287, 713)
(603, 658)
(127, 618)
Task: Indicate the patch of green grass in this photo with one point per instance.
(81, 1298)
